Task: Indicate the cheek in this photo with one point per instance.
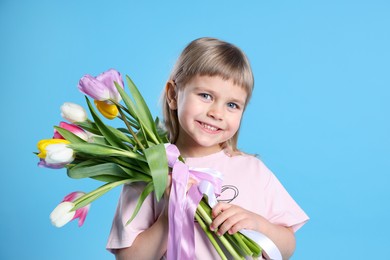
(235, 122)
(187, 109)
(183, 114)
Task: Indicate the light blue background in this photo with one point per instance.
(319, 117)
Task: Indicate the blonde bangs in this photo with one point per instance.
(211, 57)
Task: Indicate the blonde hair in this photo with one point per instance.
(208, 57)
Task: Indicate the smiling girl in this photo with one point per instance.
(203, 104)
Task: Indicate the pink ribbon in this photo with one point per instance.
(182, 208)
(182, 205)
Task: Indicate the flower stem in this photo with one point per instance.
(93, 195)
(210, 236)
(204, 211)
(242, 244)
(255, 248)
(123, 117)
(130, 118)
(229, 247)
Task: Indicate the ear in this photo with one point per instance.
(170, 91)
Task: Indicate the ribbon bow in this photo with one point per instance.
(182, 207)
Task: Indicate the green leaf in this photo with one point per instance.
(98, 139)
(132, 109)
(107, 178)
(89, 126)
(89, 171)
(106, 132)
(143, 111)
(130, 106)
(124, 130)
(145, 193)
(92, 128)
(140, 111)
(121, 135)
(131, 166)
(161, 131)
(93, 195)
(158, 164)
(93, 149)
(142, 107)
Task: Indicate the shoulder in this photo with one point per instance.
(231, 164)
(245, 159)
(242, 156)
(249, 163)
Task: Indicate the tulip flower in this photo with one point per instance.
(63, 213)
(73, 112)
(71, 128)
(42, 163)
(102, 87)
(109, 111)
(58, 154)
(55, 152)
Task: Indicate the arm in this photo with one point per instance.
(231, 218)
(150, 244)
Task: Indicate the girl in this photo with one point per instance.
(203, 104)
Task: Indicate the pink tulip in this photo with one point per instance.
(71, 128)
(102, 87)
(63, 213)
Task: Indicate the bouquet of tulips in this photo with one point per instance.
(133, 153)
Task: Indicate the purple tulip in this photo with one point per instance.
(102, 87)
(42, 163)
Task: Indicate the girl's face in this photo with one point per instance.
(209, 110)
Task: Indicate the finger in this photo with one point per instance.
(191, 182)
(217, 209)
(223, 215)
(237, 227)
(231, 223)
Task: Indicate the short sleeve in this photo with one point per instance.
(282, 209)
(122, 235)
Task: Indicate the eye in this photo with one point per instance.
(205, 96)
(233, 105)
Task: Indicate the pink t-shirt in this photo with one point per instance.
(247, 182)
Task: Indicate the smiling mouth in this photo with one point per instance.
(209, 127)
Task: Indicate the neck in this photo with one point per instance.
(199, 151)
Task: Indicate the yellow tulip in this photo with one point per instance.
(109, 111)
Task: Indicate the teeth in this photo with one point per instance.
(209, 127)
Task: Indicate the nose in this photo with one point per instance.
(215, 111)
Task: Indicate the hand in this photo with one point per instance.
(191, 182)
(232, 218)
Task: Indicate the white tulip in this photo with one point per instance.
(58, 154)
(62, 214)
(73, 112)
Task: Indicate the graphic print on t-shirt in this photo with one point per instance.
(228, 193)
